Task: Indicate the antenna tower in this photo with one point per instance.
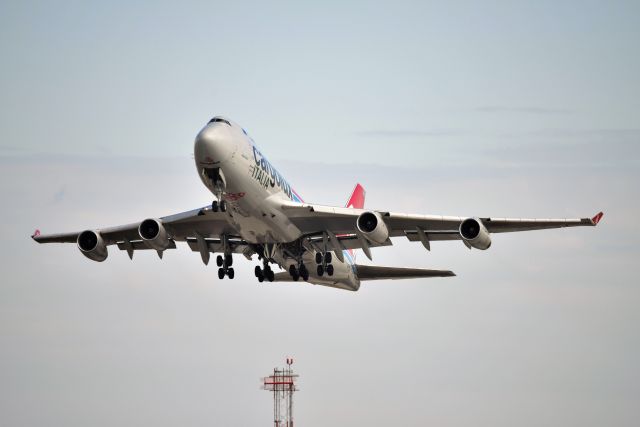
(282, 383)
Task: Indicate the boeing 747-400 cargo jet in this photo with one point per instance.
(257, 212)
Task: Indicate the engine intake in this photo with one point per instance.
(92, 245)
(473, 231)
(373, 227)
(154, 234)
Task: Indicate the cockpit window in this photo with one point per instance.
(218, 119)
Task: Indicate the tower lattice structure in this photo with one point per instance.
(282, 383)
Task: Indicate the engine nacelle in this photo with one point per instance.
(92, 245)
(473, 231)
(154, 234)
(373, 227)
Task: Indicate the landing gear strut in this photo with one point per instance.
(225, 261)
(219, 204)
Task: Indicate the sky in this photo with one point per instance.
(521, 109)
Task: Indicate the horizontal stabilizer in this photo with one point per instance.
(374, 272)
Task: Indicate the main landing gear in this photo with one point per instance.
(265, 273)
(324, 264)
(219, 206)
(225, 264)
(299, 272)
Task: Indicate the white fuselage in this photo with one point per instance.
(235, 170)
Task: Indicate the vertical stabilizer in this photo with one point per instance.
(357, 198)
(356, 201)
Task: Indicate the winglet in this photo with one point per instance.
(596, 219)
(35, 234)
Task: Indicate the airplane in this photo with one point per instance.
(255, 211)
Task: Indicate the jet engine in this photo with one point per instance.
(473, 231)
(154, 234)
(373, 227)
(92, 245)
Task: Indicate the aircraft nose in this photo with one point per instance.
(214, 145)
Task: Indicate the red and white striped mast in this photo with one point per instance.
(282, 383)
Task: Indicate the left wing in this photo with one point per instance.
(200, 228)
(314, 220)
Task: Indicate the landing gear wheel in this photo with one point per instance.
(270, 275)
(294, 273)
(228, 260)
(258, 272)
(223, 206)
(330, 270)
(219, 261)
(214, 206)
(261, 278)
(320, 270)
(304, 273)
(327, 258)
(318, 258)
(230, 273)
(221, 273)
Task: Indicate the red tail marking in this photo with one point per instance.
(36, 233)
(357, 198)
(596, 219)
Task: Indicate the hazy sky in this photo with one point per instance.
(462, 108)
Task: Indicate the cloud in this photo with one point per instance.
(523, 110)
(618, 133)
(11, 149)
(409, 133)
(59, 195)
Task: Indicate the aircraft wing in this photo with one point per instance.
(186, 227)
(314, 220)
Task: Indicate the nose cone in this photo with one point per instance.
(214, 145)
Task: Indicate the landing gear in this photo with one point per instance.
(265, 273)
(324, 263)
(219, 206)
(330, 269)
(299, 272)
(327, 258)
(293, 271)
(222, 271)
(225, 264)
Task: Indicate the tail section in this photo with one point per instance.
(357, 198)
(356, 201)
(374, 272)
